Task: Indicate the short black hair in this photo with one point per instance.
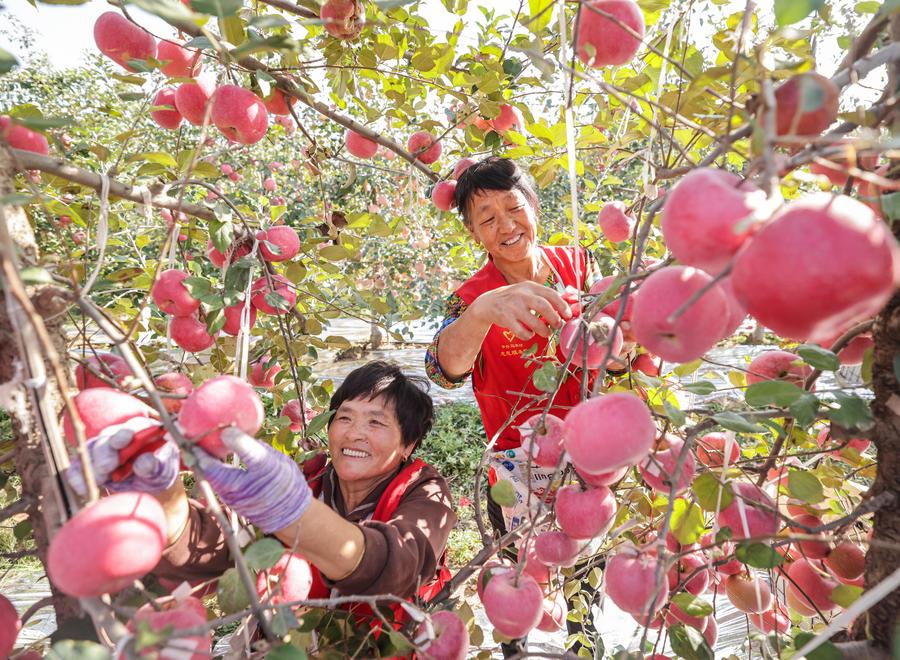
(408, 394)
(492, 173)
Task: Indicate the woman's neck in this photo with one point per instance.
(530, 269)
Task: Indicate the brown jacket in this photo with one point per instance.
(399, 554)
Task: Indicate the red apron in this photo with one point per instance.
(501, 372)
(387, 504)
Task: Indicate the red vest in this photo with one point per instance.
(387, 504)
(501, 372)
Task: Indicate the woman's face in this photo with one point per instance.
(504, 223)
(365, 441)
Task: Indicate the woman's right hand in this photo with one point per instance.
(525, 308)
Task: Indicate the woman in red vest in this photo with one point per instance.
(499, 325)
(377, 523)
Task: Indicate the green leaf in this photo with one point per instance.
(776, 393)
(198, 287)
(845, 594)
(688, 643)
(334, 252)
(687, 368)
(788, 12)
(7, 61)
(805, 486)
(71, 649)
(36, 275)
(688, 523)
(854, 412)
(734, 422)
(318, 422)
(676, 415)
(707, 489)
(263, 554)
(818, 357)
(503, 493)
(171, 11)
(221, 8)
(286, 652)
(804, 409)
(540, 13)
(221, 233)
(827, 651)
(692, 605)
(758, 555)
(546, 378)
(700, 387)
(158, 157)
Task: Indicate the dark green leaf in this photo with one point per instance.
(758, 555)
(277, 301)
(805, 486)
(776, 393)
(854, 412)
(43, 123)
(692, 605)
(688, 643)
(198, 286)
(723, 534)
(676, 415)
(263, 554)
(318, 422)
(818, 357)
(286, 652)
(804, 409)
(231, 595)
(221, 234)
(711, 494)
(700, 387)
(215, 320)
(734, 422)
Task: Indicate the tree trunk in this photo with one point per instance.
(884, 553)
(34, 462)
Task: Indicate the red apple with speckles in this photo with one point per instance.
(630, 580)
(443, 195)
(165, 113)
(191, 100)
(190, 333)
(601, 39)
(220, 402)
(758, 509)
(542, 437)
(615, 223)
(424, 146)
(23, 138)
(283, 288)
(173, 382)
(705, 218)
(822, 262)
(695, 331)
(121, 40)
(513, 605)
(343, 19)
(359, 145)
(171, 295)
(180, 62)
(112, 366)
(239, 114)
(451, 641)
(805, 105)
(285, 240)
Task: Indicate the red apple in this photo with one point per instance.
(510, 118)
(821, 263)
(809, 585)
(690, 567)
(359, 145)
(283, 289)
(614, 222)
(647, 364)
(601, 332)
(855, 351)
(443, 195)
(113, 367)
(107, 545)
(847, 561)
(774, 620)
(424, 147)
(233, 318)
(778, 365)
(694, 332)
(174, 616)
(293, 410)
(711, 449)
(630, 579)
(23, 138)
(708, 216)
(461, 166)
(451, 641)
(277, 103)
(658, 469)
(805, 105)
(753, 505)
(100, 407)
(289, 580)
(811, 549)
(190, 334)
(585, 513)
(608, 432)
(191, 100)
(555, 610)
(171, 295)
(514, 606)
(343, 19)
(602, 41)
(166, 115)
(748, 594)
(604, 478)
(220, 402)
(282, 237)
(173, 382)
(218, 259)
(121, 40)
(554, 548)
(239, 114)
(542, 438)
(179, 61)
(10, 625)
(263, 372)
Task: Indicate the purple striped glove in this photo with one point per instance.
(152, 471)
(269, 491)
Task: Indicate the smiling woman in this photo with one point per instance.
(375, 522)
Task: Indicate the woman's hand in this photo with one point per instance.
(269, 490)
(119, 463)
(525, 308)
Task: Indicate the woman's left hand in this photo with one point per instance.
(269, 491)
